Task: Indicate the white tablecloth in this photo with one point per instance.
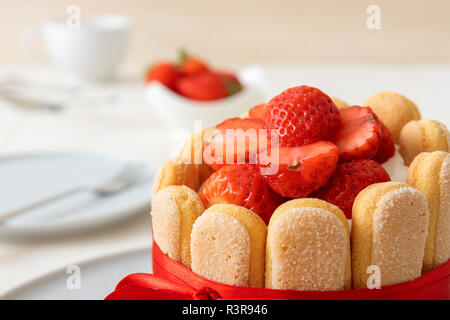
(115, 118)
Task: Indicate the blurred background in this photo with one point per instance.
(75, 106)
(242, 31)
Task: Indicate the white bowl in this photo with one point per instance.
(180, 112)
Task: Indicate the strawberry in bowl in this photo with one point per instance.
(192, 90)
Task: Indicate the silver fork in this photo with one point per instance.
(124, 178)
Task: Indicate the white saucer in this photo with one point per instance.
(28, 178)
(98, 278)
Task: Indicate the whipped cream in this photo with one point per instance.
(396, 167)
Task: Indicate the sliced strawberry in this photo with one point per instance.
(238, 142)
(301, 170)
(350, 178)
(258, 111)
(359, 134)
(302, 115)
(164, 72)
(386, 150)
(242, 185)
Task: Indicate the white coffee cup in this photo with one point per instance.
(90, 52)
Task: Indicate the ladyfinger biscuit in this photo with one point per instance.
(389, 228)
(340, 104)
(423, 136)
(192, 152)
(176, 173)
(174, 210)
(228, 246)
(430, 173)
(394, 110)
(308, 247)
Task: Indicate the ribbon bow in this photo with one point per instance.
(144, 286)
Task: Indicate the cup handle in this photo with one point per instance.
(30, 37)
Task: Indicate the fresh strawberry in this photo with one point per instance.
(227, 75)
(202, 86)
(164, 72)
(302, 115)
(359, 134)
(242, 185)
(258, 111)
(230, 81)
(302, 170)
(236, 147)
(386, 148)
(350, 178)
(193, 65)
(190, 65)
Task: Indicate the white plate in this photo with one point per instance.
(28, 178)
(98, 277)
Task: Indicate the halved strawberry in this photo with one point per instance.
(244, 186)
(237, 142)
(302, 169)
(386, 148)
(350, 178)
(258, 111)
(359, 134)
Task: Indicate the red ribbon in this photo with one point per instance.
(173, 281)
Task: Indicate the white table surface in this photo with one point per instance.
(116, 119)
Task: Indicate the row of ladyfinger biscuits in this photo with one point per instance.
(306, 246)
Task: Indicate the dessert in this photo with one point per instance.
(430, 173)
(389, 228)
(308, 247)
(228, 245)
(394, 110)
(192, 78)
(423, 136)
(174, 210)
(303, 166)
(349, 179)
(176, 172)
(340, 104)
